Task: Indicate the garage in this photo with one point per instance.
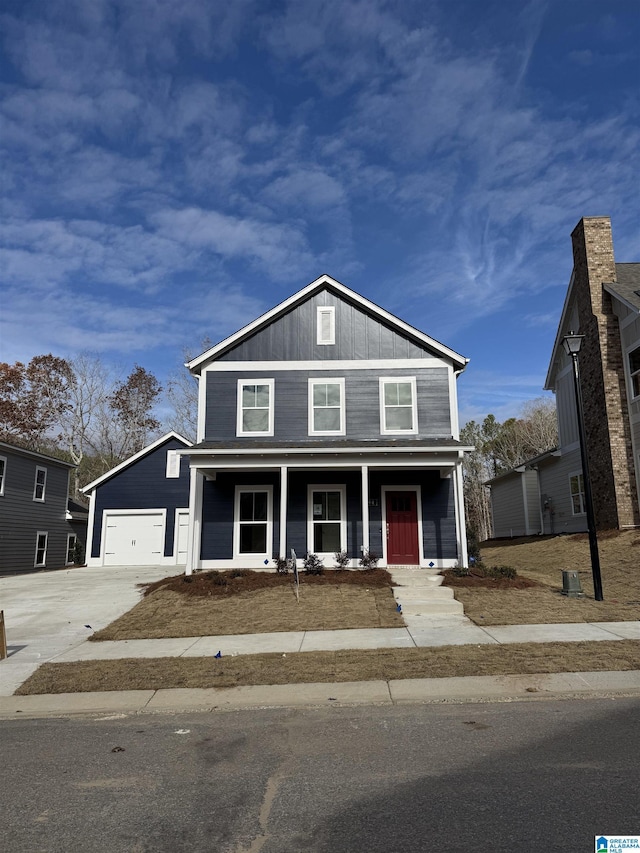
(134, 539)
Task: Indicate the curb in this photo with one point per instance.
(457, 690)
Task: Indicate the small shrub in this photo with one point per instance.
(219, 580)
(313, 565)
(500, 572)
(282, 566)
(461, 571)
(341, 558)
(369, 560)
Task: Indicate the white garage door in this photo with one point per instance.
(134, 540)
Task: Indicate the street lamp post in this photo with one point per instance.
(572, 344)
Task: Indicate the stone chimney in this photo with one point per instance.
(604, 393)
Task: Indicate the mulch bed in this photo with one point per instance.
(236, 581)
(476, 580)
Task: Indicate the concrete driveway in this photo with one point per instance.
(48, 613)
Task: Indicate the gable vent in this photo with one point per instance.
(326, 324)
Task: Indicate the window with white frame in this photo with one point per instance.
(71, 548)
(3, 473)
(634, 371)
(326, 407)
(173, 464)
(398, 405)
(40, 484)
(576, 484)
(326, 324)
(327, 526)
(41, 549)
(255, 407)
(253, 528)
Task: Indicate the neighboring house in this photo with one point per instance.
(326, 425)
(603, 304)
(38, 526)
(138, 511)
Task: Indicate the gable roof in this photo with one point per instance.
(322, 283)
(136, 456)
(42, 457)
(626, 288)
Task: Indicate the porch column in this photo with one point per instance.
(196, 481)
(461, 527)
(365, 508)
(284, 482)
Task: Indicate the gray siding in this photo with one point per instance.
(555, 487)
(361, 395)
(144, 485)
(292, 337)
(533, 502)
(508, 509)
(21, 517)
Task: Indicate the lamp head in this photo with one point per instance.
(572, 343)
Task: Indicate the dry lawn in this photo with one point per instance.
(256, 603)
(378, 664)
(542, 560)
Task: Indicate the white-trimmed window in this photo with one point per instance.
(576, 485)
(326, 407)
(398, 405)
(173, 464)
(326, 324)
(3, 473)
(40, 484)
(255, 407)
(41, 549)
(253, 528)
(634, 371)
(327, 519)
(71, 548)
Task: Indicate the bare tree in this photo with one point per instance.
(182, 394)
(132, 402)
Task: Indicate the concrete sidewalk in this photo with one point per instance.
(411, 691)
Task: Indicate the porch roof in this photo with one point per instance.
(342, 445)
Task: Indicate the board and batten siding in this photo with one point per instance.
(293, 337)
(362, 398)
(144, 485)
(21, 518)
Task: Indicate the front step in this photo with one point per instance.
(419, 593)
(416, 594)
(434, 608)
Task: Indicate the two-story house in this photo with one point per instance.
(326, 425)
(39, 526)
(546, 495)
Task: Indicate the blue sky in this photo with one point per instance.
(170, 169)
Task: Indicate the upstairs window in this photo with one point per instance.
(40, 484)
(255, 407)
(634, 371)
(576, 484)
(3, 471)
(326, 325)
(398, 410)
(326, 407)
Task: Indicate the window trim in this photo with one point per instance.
(36, 484)
(633, 395)
(388, 380)
(312, 382)
(3, 474)
(330, 311)
(43, 564)
(579, 493)
(239, 409)
(70, 536)
(174, 461)
(243, 555)
(323, 487)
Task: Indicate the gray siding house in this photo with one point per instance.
(38, 529)
(603, 304)
(326, 425)
(138, 511)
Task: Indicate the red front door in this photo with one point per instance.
(402, 529)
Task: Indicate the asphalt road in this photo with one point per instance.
(522, 776)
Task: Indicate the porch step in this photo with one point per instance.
(434, 608)
(419, 582)
(414, 594)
